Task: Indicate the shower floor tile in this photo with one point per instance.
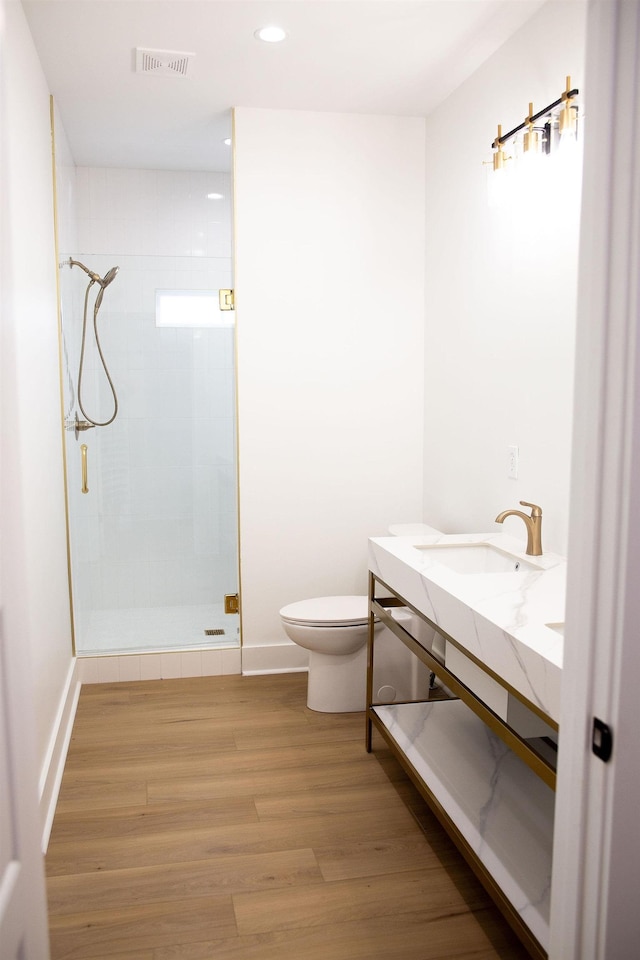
(144, 629)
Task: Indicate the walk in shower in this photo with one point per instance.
(153, 537)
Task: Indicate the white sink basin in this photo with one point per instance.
(475, 558)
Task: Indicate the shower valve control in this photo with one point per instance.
(79, 426)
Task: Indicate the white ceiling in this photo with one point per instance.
(356, 56)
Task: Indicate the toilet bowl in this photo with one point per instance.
(334, 631)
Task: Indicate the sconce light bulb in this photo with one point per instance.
(567, 123)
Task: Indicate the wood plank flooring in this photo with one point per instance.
(220, 818)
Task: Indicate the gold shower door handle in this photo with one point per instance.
(83, 455)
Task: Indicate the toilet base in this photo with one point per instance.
(337, 684)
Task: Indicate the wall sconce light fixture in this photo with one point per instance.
(543, 131)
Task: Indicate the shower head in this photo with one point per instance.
(108, 277)
(95, 278)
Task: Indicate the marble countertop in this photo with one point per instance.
(500, 618)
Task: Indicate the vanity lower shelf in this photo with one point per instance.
(495, 807)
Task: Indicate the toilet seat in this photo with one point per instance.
(328, 612)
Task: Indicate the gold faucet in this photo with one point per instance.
(532, 523)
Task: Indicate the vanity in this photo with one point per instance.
(487, 621)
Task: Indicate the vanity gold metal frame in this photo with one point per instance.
(536, 760)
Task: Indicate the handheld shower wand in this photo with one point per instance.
(102, 282)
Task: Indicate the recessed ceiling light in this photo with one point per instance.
(215, 196)
(270, 34)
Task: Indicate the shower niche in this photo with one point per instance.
(153, 537)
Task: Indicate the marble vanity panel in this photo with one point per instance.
(503, 810)
(500, 618)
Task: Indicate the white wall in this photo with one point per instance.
(329, 285)
(501, 295)
(34, 555)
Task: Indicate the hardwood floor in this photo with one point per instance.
(220, 818)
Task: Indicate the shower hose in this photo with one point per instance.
(96, 308)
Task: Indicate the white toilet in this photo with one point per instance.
(334, 631)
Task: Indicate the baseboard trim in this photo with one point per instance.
(53, 766)
(170, 665)
(274, 658)
(261, 673)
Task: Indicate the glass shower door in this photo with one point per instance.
(154, 537)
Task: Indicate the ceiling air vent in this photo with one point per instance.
(163, 63)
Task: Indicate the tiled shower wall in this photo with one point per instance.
(158, 526)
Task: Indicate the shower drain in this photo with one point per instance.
(214, 633)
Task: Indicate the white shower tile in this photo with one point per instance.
(172, 442)
(82, 190)
(88, 670)
(169, 583)
(151, 666)
(142, 584)
(140, 432)
(124, 538)
(158, 443)
(171, 666)
(147, 232)
(214, 441)
(146, 198)
(87, 540)
(122, 185)
(220, 273)
(98, 197)
(191, 664)
(170, 539)
(134, 325)
(164, 493)
(108, 669)
(198, 249)
(181, 238)
(180, 355)
(205, 522)
(119, 582)
(150, 281)
(129, 667)
(85, 236)
(149, 340)
(172, 394)
(94, 589)
(231, 662)
(132, 292)
(135, 394)
(199, 270)
(163, 241)
(200, 581)
(212, 663)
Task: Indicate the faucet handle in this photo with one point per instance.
(536, 511)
